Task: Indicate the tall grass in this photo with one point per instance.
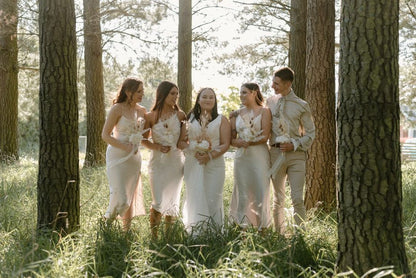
(409, 212)
(99, 250)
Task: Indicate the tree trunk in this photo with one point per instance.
(8, 80)
(58, 177)
(320, 94)
(94, 84)
(297, 44)
(370, 230)
(185, 55)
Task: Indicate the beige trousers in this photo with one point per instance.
(294, 169)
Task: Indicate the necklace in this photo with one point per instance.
(164, 115)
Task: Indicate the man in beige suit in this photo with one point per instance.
(292, 134)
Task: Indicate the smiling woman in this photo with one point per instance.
(250, 204)
(204, 172)
(166, 161)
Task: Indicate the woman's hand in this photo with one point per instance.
(128, 147)
(286, 147)
(202, 157)
(164, 149)
(240, 143)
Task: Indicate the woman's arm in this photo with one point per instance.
(233, 130)
(225, 138)
(236, 142)
(183, 138)
(149, 122)
(112, 119)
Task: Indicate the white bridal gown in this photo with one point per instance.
(204, 183)
(123, 173)
(166, 169)
(250, 203)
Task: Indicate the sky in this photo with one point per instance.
(207, 73)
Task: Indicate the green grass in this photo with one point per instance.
(98, 250)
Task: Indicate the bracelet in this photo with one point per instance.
(210, 156)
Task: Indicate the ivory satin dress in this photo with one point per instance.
(250, 203)
(166, 169)
(123, 173)
(203, 183)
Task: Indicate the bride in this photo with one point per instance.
(207, 139)
(122, 132)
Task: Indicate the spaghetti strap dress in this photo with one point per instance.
(166, 169)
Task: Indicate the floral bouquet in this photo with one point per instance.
(202, 146)
(136, 136)
(166, 133)
(248, 131)
(201, 142)
(167, 138)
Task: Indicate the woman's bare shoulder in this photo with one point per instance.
(181, 115)
(235, 113)
(265, 109)
(150, 116)
(116, 108)
(141, 109)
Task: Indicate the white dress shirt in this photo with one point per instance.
(291, 118)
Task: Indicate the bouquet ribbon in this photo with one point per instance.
(276, 165)
(123, 159)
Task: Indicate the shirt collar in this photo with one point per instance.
(290, 95)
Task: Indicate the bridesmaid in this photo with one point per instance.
(208, 139)
(123, 158)
(166, 161)
(251, 127)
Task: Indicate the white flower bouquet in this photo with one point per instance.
(248, 132)
(168, 139)
(201, 141)
(136, 136)
(202, 146)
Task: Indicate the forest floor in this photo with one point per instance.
(98, 250)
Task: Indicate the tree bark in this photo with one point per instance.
(94, 84)
(8, 81)
(58, 177)
(297, 45)
(185, 55)
(370, 230)
(320, 94)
